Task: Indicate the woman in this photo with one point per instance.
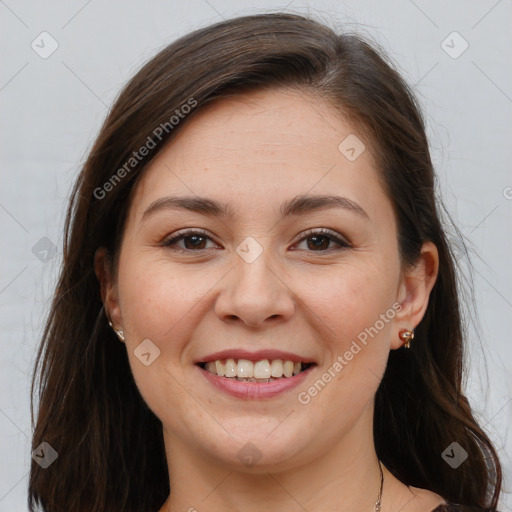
(258, 305)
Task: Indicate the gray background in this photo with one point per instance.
(52, 108)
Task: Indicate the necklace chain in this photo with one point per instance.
(378, 503)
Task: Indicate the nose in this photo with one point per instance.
(255, 294)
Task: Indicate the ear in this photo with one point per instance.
(414, 291)
(108, 286)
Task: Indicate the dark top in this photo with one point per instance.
(454, 507)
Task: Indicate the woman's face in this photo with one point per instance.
(257, 281)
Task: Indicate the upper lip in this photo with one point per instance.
(258, 355)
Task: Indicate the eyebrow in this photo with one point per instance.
(299, 205)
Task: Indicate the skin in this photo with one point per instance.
(254, 152)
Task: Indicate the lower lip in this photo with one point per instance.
(255, 390)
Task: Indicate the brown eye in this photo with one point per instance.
(319, 240)
(192, 240)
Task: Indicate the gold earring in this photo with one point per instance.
(406, 336)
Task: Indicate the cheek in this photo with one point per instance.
(157, 303)
(355, 309)
(350, 300)
(157, 298)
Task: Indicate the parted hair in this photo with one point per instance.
(110, 445)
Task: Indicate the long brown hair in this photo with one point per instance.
(110, 445)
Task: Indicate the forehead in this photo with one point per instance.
(256, 148)
(268, 121)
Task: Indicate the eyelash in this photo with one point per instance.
(331, 235)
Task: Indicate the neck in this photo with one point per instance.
(345, 477)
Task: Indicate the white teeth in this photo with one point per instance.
(262, 369)
(245, 368)
(277, 368)
(288, 368)
(230, 368)
(211, 367)
(221, 368)
(259, 371)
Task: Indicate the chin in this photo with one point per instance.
(256, 450)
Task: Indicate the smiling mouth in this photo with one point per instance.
(265, 370)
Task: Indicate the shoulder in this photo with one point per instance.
(455, 507)
(426, 500)
(407, 498)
